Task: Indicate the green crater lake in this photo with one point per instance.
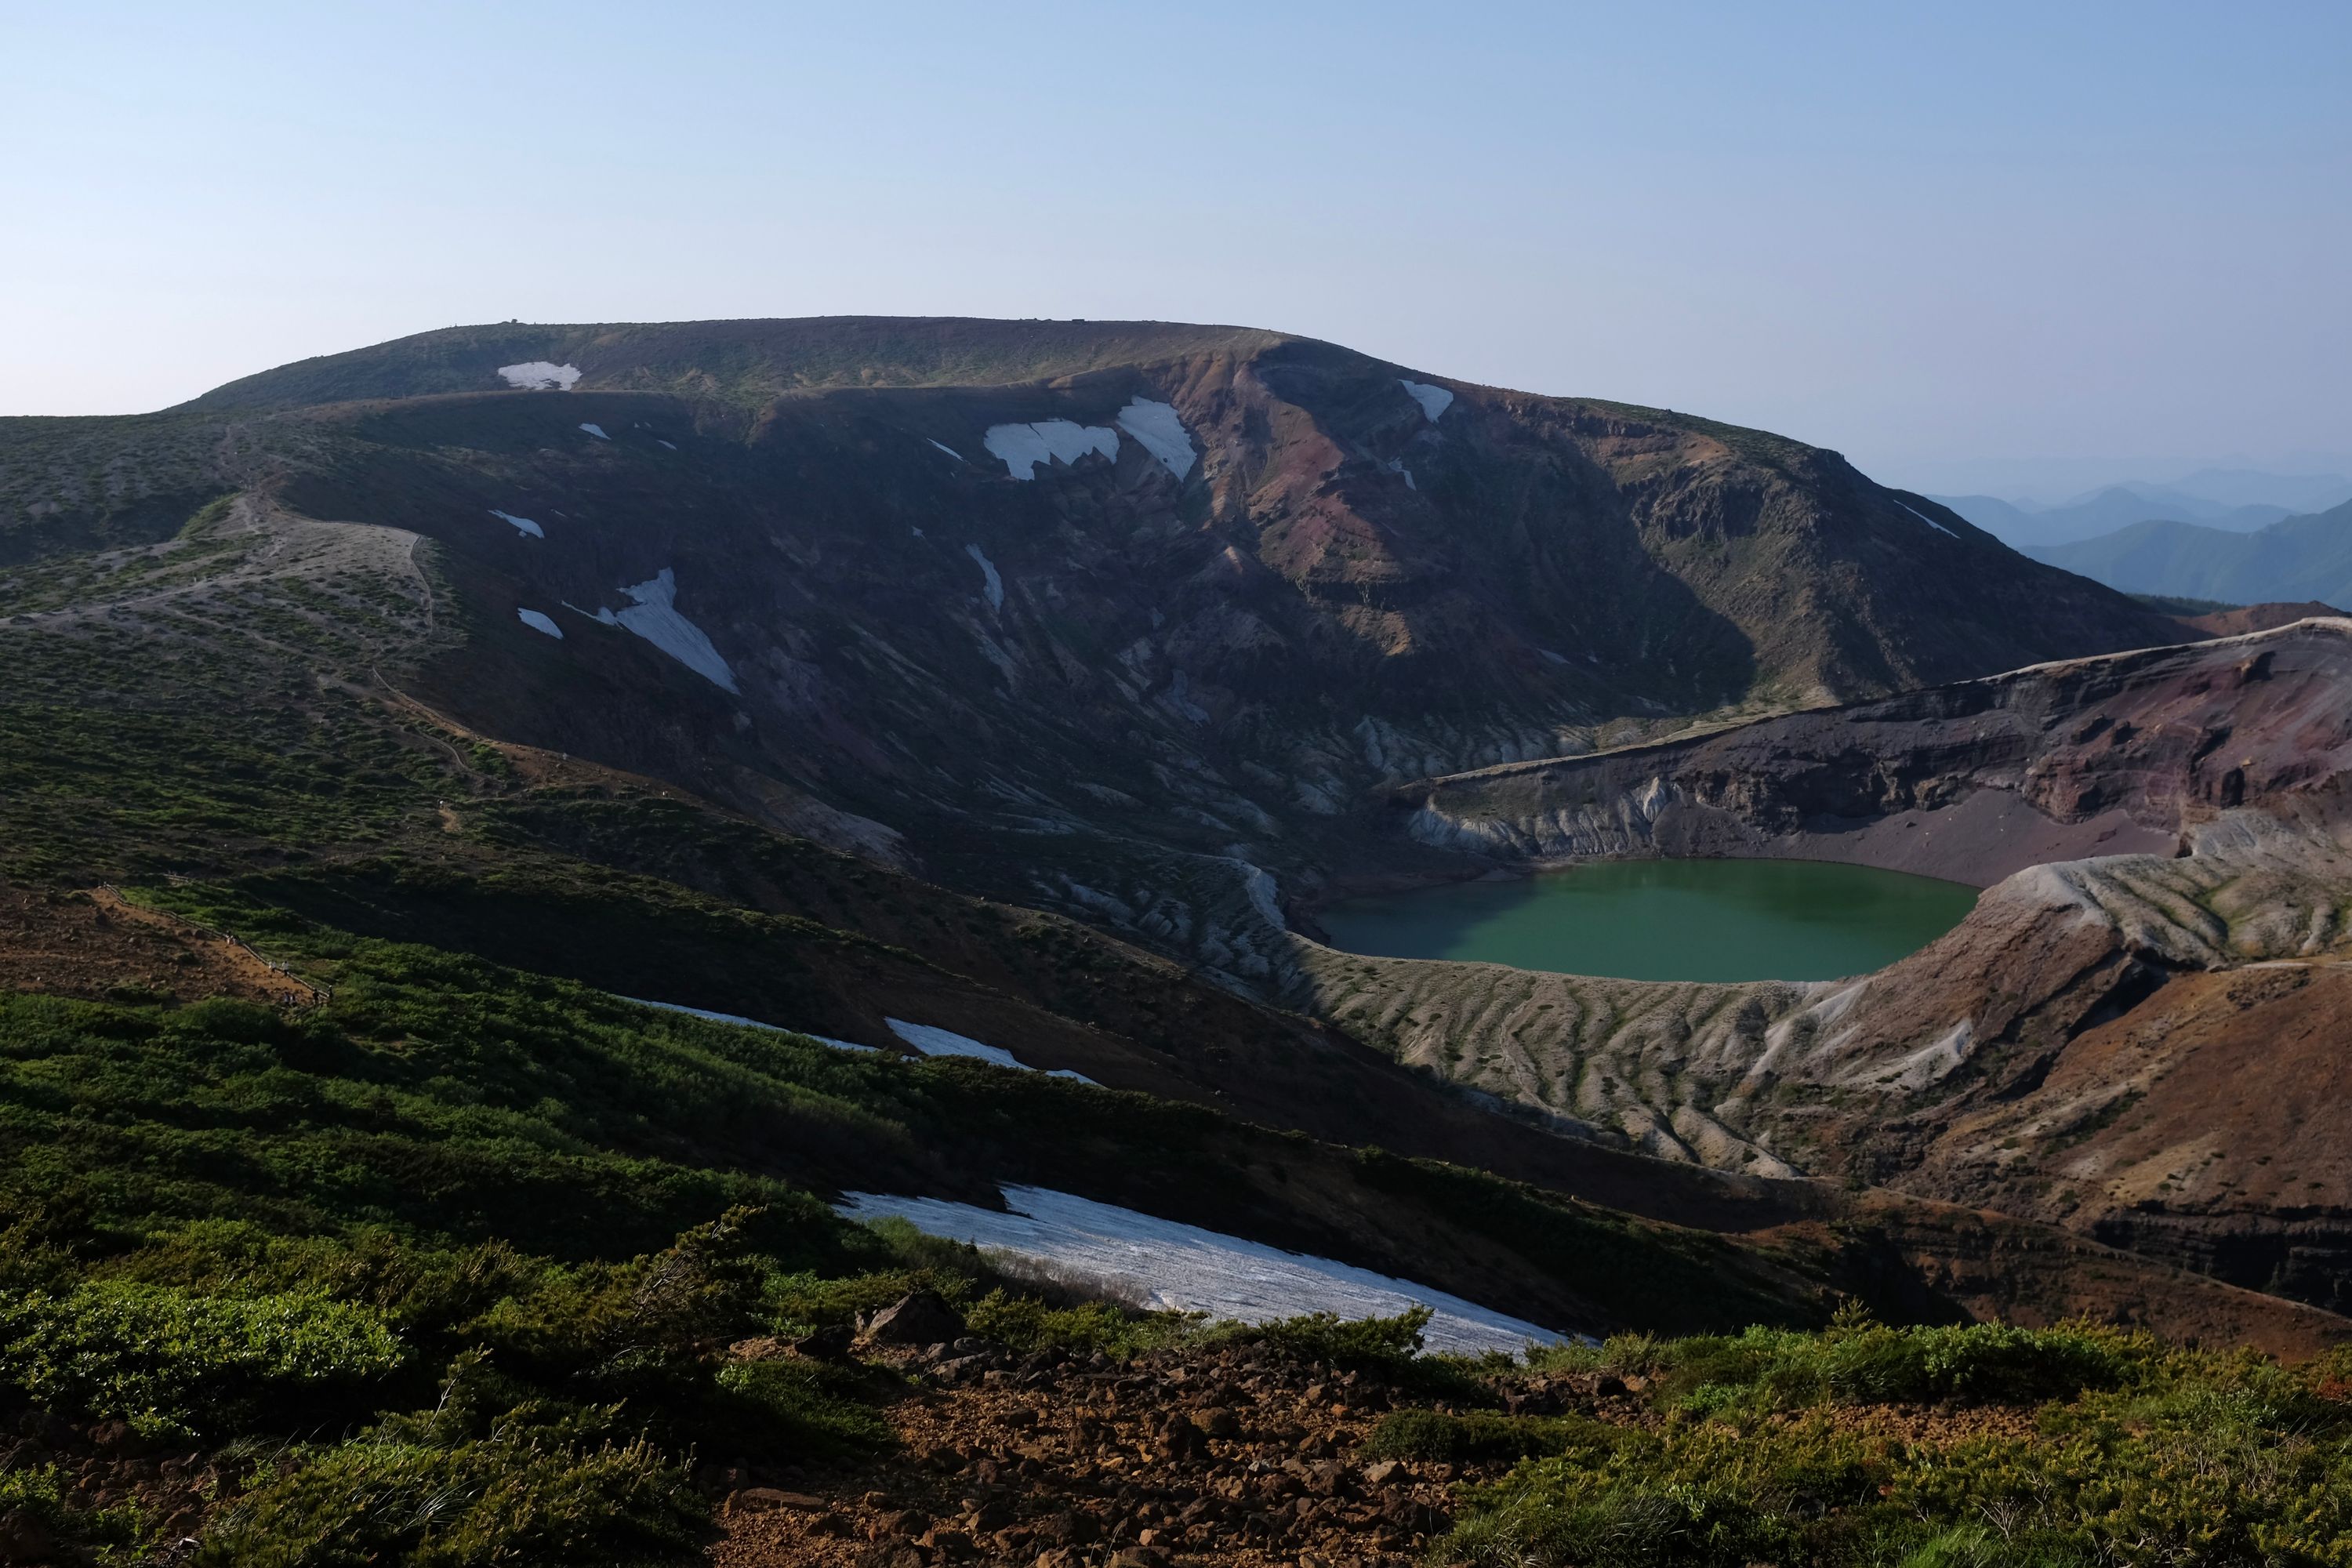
(1666, 919)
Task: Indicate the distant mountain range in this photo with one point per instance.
(2235, 500)
(2297, 558)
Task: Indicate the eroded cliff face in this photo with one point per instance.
(2045, 1057)
(1972, 781)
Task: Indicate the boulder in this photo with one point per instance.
(829, 1344)
(918, 1319)
(23, 1538)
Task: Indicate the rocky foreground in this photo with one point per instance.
(1862, 1445)
(1234, 1454)
(1316, 1443)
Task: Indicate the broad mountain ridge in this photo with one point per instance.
(510, 838)
(2232, 501)
(1038, 678)
(2295, 558)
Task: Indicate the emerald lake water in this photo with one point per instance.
(1666, 920)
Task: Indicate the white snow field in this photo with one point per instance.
(540, 621)
(1162, 433)
(750, 1023)
(1433, 400)
(1024, 447)
(933, 1041)
(1187, 1269)
(537, 375)
(596, 430)
(943, 447)
(521, 524)
(994, 585)
(654, 617)
(1930, 521)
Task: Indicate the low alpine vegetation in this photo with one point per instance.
(1870, 1446)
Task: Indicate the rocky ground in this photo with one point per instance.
(1236, 1455)
(100, 1468)
(95, 945)
(1230, 1455)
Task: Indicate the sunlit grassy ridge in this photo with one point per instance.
(1866, 1445)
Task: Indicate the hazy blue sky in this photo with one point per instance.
(1938, 237)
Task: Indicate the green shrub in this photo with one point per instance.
(418, 1288)
(1028, 1322)
(534, 1487)
(2223, 1465)
(37, 1495)
(804, 1300)
(1766, 1369)
(1979, 1362)
(1974, 1546)
(661, 1309)
(1327, 1339)
(800, 1407)
(171, 1361)
(1479, 1436)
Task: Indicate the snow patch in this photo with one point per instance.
(936, 1042)
(1162, 433)
(1396, 466)
(537, 375)
(540, 621)
(522, 524)
(671, 445)
(752, 1024)
(1024, 447)
(654, 617)
(1930, 521)
(1185, 1269)
(598, 431)
(994, 585)
(1433, 400)
(950, 452)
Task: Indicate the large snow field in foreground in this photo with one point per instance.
(1187, 1269)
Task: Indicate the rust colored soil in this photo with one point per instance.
(94, 944)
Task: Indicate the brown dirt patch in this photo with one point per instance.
(96, 945)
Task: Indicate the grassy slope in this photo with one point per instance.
(735, 362)
(1925, 1449)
